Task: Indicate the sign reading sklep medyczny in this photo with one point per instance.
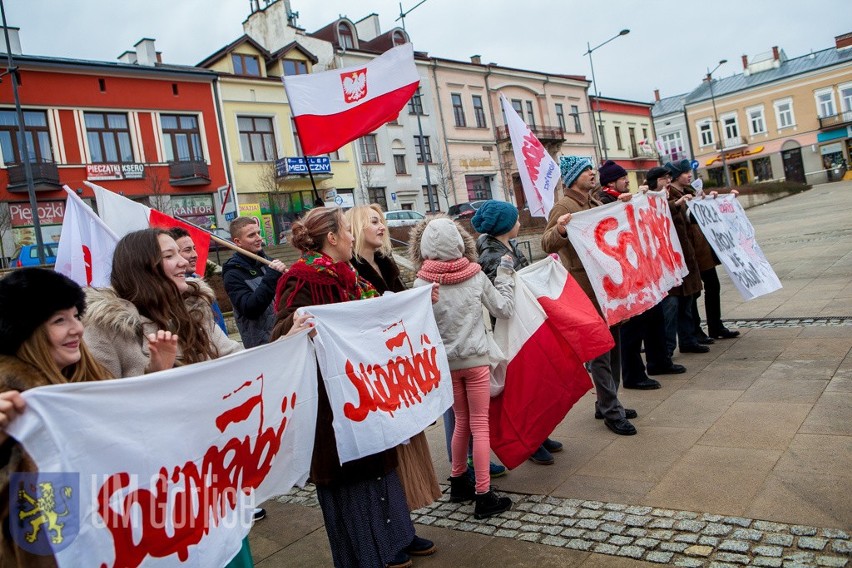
(299, 166)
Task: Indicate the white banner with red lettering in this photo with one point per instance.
(171, 464)
(385, 370)
(631, 253)
(728, 230)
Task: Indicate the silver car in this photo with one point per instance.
(403, 218)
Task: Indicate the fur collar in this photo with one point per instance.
(18, 375)
(416, 235)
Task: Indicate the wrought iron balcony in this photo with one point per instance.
(546, 134)
(45, 177)
(190, 172)
(835, 120)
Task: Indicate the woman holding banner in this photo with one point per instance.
(40, 344)
(373, 260)
(362, 501)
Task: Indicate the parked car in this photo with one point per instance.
(464, 209)
(403, 218)
(27, 255)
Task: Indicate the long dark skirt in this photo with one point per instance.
(367, 522)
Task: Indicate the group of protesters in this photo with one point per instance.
(158, 314)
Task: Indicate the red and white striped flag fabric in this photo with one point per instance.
(555, 329)
(335, 107)
(124, 216)
(86, 244)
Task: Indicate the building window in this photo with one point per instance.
(426, 149)
(257, 141)
(36, 131)
(846, 97)
(825, 103)
(181, 137)
(762, 168)
(618, 143)
(602, 137)
(399, 164)
(109, 137)
(673, 146)
(297, 144)
(415, 105)
(369, 149)
(377, 195)
(245, 64)
(458, 110)
(784, 113)
(518, 105)
(295, 67)
(634, 151)
(645, 134)
(575, 114)
(478, 187)
(347, 39)
(705, 132)
(337, 155)
(560, 116)
(730, 127)
(530, 115)
(430, 198)
(479, 112)
(756, 122)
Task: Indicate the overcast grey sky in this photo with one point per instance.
(669, 47)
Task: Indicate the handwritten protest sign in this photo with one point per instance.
(631, 253)
(726, 226)
(385, 370)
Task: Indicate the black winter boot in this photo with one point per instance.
(461, 489)
(489, 504)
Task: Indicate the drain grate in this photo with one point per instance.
(791, 321)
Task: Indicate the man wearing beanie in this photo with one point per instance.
(578, 178)
(498, 222)
(614, 182)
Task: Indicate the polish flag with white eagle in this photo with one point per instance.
(124, 215)
(336, 107)
(554, 330)
(537, 169)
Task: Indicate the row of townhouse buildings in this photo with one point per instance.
(779, 118)
(190, 139)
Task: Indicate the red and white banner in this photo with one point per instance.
(85, 246)
(335, 107)
(554, 330)
(538, 170)
(171, 464)
(124, 216)
(631, 253)
(728, 230)
(385, 370)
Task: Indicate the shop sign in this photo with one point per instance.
(734, 155)
(103, 172)
(191, 205)
(49, 213)
(299, 165)
(831, 149)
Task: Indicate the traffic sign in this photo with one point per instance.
(338, 199)
(693, 164)
(393, 197)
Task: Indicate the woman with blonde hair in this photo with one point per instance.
(364, 508)
(40, 344)
(373, 259)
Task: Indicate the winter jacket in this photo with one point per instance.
(691, 282)
(704, 255)
(458, 311)
(491, 250)
(116, 333)
(251, 287)
(387, 281)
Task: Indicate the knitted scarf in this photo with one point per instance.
(328, 282)
(611, 192)
(448, 271)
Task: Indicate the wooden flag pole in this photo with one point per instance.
(230, 245)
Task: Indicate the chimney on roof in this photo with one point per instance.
(159, 57)
(477, 59)
(146, 53)
(657, 95)
(775, 53)
(745, 62)
(128, 57)
(14, 41)
(843, 41)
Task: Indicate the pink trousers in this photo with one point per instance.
(471, 397)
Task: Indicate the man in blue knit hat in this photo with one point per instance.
(578, 178)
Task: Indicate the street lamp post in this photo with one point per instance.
(716, 120)
(589, 50)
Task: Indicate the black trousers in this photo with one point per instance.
(647, 328)
(712, 301)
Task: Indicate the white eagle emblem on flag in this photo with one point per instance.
(354, 85)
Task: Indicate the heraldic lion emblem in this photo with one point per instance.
(41, 513)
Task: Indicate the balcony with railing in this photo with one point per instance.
(545, 134)
(835, 120)
(734, 143)
(190, 172)
(45, 177)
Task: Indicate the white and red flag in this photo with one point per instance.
(554, 330)
(169, 466)
(86, 244)
(630, 252)
(385, 370)
(124, 215)
(538, 170)
(335, 107)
